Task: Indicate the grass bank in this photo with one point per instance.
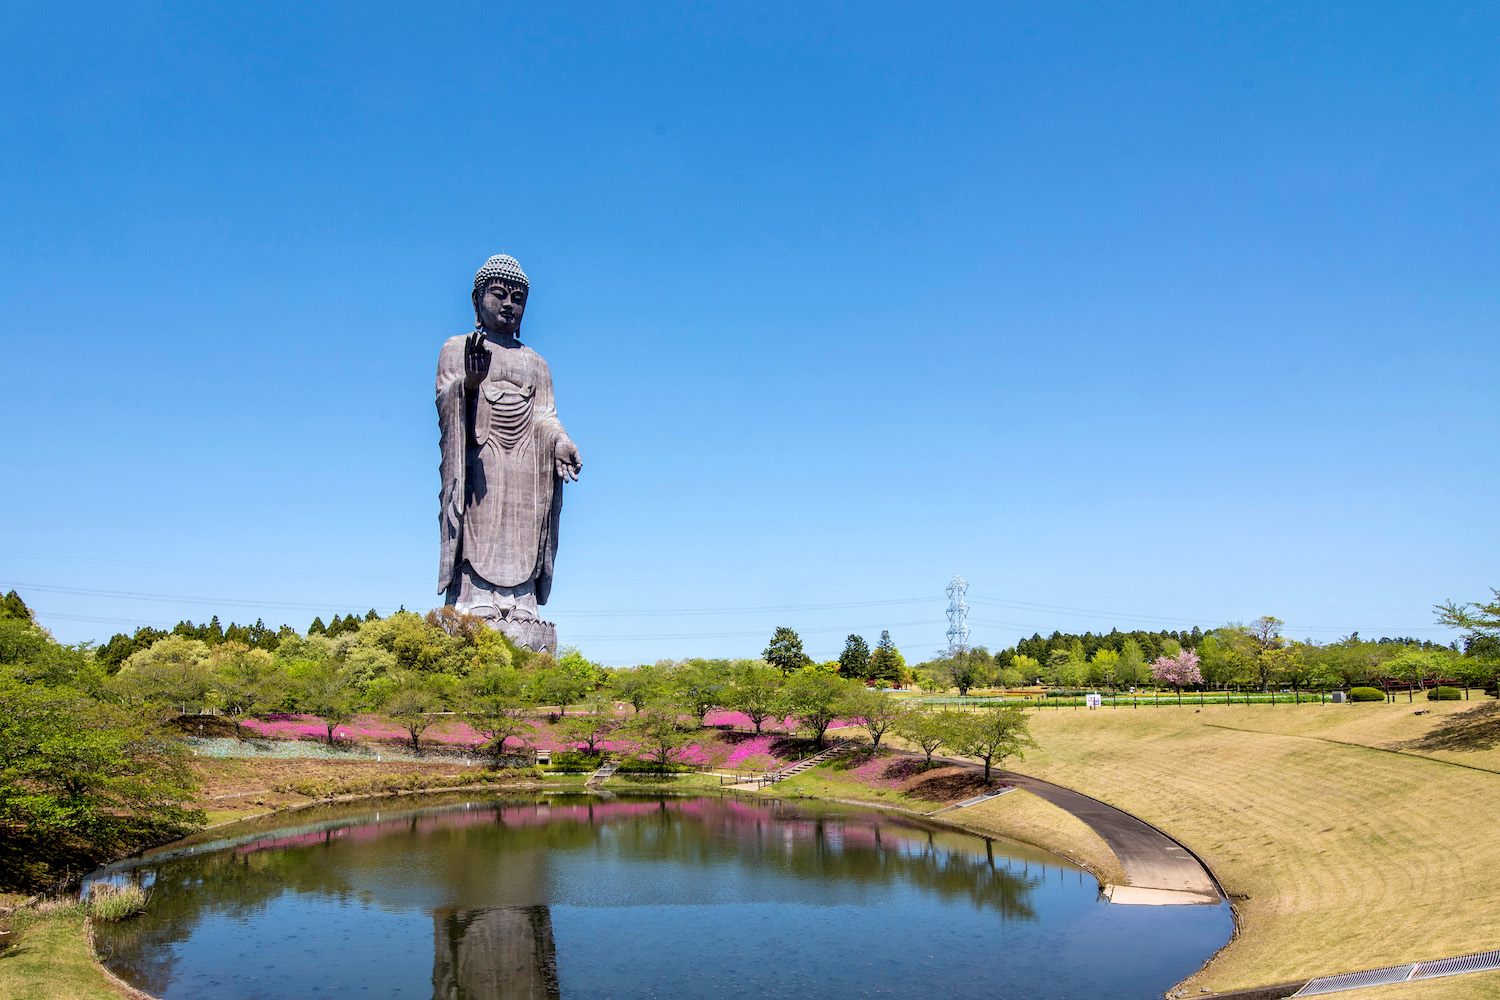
(1348, 836)
(51, 959)
(1017, 815)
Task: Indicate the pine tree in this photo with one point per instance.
(785, 651)
(13, 607)
(886, 663)
(317, 627)
(854, 661)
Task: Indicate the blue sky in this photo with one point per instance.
(1144, 315)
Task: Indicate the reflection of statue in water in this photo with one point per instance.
(505, 457)
(500, 953)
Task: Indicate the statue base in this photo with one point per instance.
(537, 636)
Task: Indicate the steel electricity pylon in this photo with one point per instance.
(958, 612)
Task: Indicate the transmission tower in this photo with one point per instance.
(958, 612)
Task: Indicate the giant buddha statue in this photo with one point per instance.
(505, 457)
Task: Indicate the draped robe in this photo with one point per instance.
(501, 498)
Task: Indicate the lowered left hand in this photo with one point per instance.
(565, 460)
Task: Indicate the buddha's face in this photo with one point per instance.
(499, 306)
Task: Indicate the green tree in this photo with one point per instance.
(1480, 618)
(414, 705)
(1265, 632)
(495, 707)
(1415, 666)
(756, 691)
(326, 690)
(659, 734)
(876, 711)
(13, 607)
(1106, 667)
(924, 729)
(813, 697)
(854, 661)
(699, 686)
(639, 686)
(173, 671)
(566, 681)
(991, 734)
(83, 781)
(1132, 663)
(246, 682)
(886, 666)
(785, 651)
(593, 726)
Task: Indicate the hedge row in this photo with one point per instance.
(327, 788)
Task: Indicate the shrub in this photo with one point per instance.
(652, 767)
(576, 760)
(1366, 694)
(1444, 694)
(108, 901)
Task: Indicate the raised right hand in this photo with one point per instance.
(476, 360)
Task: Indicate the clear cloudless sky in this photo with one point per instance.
(1136, 315)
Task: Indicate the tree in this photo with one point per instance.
(81, 782)
(325, 690)
(991, 734)
(594, 726)
(698, 686)
(923, 728)
(246, 682)
(1478, 619)
(965, 669)
(495, 708)
(1177, 670)
(876, 711)
(566, 681)
(659, 734)
(1132, 662)
(854, 661)
(1265, 632)
(13, 607)
(1106, 667)
(755, 692)
(886, 664)
(639, 686)
(785, 651)
(813, 697)
(1414, 666)
(1027, 669)
(413, 706)
(173, 671)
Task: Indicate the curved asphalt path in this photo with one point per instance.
(1151, 859)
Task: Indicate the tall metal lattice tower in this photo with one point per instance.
(958, 613)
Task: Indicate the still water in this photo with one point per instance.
(663, 897)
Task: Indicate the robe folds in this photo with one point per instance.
(501, 498)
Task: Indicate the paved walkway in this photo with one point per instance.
(1152, 860)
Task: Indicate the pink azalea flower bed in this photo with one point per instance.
(714, 749)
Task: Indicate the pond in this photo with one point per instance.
(637, 896)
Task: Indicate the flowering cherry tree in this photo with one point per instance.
(1177, 671)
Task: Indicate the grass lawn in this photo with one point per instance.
(51, 962)
(1339, 857)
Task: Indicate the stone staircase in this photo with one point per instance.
(792, 770)
(605, 772)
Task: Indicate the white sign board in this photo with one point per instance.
(1093, 700)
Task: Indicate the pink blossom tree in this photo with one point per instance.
(1177, 670)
